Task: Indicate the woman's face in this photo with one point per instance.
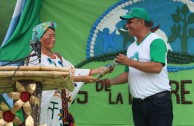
(48, 39)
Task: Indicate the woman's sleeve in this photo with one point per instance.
(76, 72)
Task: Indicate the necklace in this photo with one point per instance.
(48, 53)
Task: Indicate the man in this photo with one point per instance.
(146, 72)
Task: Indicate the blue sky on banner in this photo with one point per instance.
(109, 35)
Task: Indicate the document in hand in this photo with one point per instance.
(111, 66)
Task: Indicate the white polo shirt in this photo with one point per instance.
(142, 84)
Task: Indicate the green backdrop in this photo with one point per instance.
(96, 105)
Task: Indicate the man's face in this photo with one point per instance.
(134, 25)
(48, 39)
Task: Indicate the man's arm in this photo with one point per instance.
(121, 79)
(148, 67)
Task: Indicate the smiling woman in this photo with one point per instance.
(55, 103)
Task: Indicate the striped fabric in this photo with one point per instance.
(15, 19)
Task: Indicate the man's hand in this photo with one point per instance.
(106, 82)
(122, 59)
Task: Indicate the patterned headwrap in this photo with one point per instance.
(39, 30)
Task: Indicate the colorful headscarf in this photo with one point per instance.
(39, 30)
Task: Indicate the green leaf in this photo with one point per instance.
(179, 27)
(171, 38)
(20, 115)
(176, 18)
(173, 29)
(178, 10)
(191, 32)
(191, 18)
(185, 9)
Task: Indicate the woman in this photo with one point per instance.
(45, 34)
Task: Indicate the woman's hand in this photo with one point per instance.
(97, 70)
(88, 79)
(100, 70)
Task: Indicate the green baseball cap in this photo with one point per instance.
(136, 13)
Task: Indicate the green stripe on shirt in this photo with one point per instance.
(158, 51)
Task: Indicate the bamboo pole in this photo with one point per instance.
(33, 73)
(50, 77)
(47, 83)
(33, 68)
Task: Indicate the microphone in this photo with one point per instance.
(39, 51)
(36, 46)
